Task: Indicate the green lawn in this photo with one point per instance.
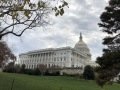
(26, 82)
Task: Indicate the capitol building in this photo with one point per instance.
(64, 57)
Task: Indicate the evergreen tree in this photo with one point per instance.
(109, 62)
(88, 73)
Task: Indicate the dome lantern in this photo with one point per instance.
(80, 36)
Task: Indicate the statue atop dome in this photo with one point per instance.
(80, 36)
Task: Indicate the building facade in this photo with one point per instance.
(65, 57)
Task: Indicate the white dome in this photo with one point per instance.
(80, 46)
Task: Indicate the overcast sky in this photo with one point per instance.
(81, 16)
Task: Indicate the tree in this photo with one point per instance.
(5, 54)
(26, 14)
(17, 16)
(42, 68)
(9, 68)
(109, 62)
(17, 68)
(23, 68)
(88, 73)
(109, 67)
(37, 71)
(110, 23)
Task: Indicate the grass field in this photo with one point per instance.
(26, 82)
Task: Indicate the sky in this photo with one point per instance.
(81, 16)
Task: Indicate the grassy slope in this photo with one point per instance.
(25, 82)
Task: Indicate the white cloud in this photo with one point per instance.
(81, 16)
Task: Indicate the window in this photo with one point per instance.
(61, 59)
(64, 58)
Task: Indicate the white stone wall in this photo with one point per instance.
(66, 57)
(71, 71)
(78, 60)
(56, 58)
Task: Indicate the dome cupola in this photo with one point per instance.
(80, 46)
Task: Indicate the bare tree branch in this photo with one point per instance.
(14, 13)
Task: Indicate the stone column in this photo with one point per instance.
(68, 58)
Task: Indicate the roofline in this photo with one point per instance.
(51, 50)
(47, 49)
